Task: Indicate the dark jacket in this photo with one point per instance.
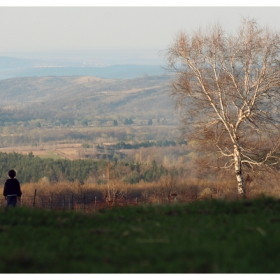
(12, 186)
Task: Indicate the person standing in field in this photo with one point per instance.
(12, 191)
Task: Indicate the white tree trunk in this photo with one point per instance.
(238, 171)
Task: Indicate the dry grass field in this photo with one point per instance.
(90, 197)
(67, 151)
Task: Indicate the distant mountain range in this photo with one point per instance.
(109, 72)
(11, 67)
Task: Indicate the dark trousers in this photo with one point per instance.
(11, 201)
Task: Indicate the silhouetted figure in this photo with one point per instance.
(12, 191)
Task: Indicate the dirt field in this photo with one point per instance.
(68, 151)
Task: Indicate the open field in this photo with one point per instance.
(202, 237)
(68, 151)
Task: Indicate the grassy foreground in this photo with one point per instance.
(209, 236)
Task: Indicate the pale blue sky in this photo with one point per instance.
(89, 28)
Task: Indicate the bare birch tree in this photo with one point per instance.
(227, 89)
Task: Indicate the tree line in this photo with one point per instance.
(32, 168)
(147, 144)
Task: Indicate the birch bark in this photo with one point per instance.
(238, 171)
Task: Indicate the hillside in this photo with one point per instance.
(69, 98)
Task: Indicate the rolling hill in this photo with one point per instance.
(77, 97)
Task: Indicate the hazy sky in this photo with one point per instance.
(94, 27)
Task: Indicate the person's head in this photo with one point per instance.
(12, 173)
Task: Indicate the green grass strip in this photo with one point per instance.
(201, 237)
